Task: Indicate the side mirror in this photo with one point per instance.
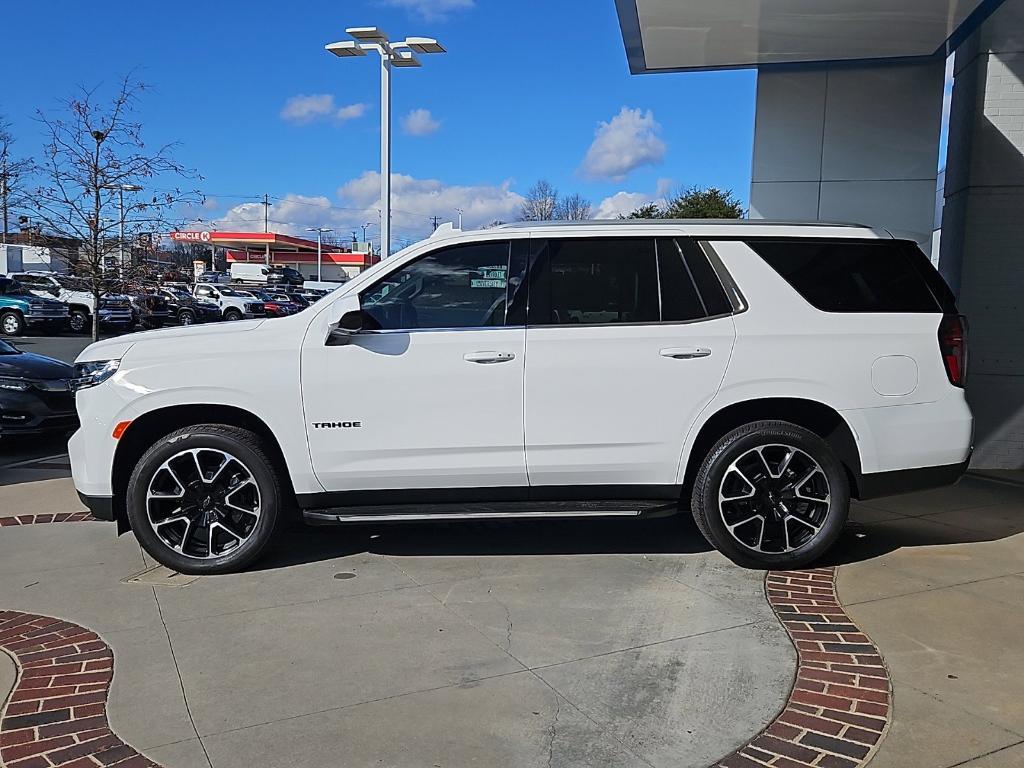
(351, 323)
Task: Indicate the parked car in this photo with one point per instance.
(277, 304)
(262, 274)
(297, 298)
(322, 287)
(149, 309)
(35, 394)
(185, 309)
(758, 375)
(20, 310)
(214, 277)
(114, 310)
(233, 304)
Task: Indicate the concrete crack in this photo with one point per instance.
(554, 730)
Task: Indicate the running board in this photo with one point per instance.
(501, 511)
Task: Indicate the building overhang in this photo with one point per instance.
(680, 35)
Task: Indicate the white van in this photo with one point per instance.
(249, 273)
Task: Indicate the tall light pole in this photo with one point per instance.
(367, 224)
(460, 212)
(401, 54)
(121, 189)
(319, 248)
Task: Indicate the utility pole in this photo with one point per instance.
(367, 224)
(266, 226)
(434, 219)
(460, 212)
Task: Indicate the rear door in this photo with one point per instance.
(623, 353)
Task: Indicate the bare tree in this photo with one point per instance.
(575, 207)
(13, 175)
(94, 165)
(540, 203)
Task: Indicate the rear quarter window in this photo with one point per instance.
(857, 275)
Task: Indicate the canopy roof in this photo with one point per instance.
(672, 35)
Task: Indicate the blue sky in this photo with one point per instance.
(528, 90)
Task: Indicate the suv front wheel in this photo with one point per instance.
(205, 499)
(771, 494)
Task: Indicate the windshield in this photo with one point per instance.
(232, 292)
(12, 288)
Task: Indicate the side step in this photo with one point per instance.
(551, 510)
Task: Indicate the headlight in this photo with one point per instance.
(92, 373)
(19, 385)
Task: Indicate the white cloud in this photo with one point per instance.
(414, 202)
(430, 9)
(350, 112)
(627, 142)
(624, 203)
(305, 109)
(420, 122)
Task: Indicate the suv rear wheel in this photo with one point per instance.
(771, 494)
(205, 499)
(231, 315)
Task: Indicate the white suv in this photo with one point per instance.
(757, 374)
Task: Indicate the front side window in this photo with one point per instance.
(463, 286)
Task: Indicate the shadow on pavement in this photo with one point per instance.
(674, 535)
(975, 510)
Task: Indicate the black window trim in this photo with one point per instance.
(510, 241)
(542, 242)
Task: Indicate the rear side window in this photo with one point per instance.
(594, 282)
(853, 275)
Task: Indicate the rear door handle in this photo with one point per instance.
(488, 358)
(686, 353)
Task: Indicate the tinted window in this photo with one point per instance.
(710, 287)
(679, 298)
(603, 280)
(459, 287)
(851, 275)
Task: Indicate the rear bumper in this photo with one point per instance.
(101, 507)
(901, 481)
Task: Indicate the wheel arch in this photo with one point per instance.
(146, 429)
(821, 419)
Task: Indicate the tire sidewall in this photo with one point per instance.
(85, 321)
(165, 448)
(19, 324)
(734, 445)
(232, 315)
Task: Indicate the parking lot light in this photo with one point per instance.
(400, 54)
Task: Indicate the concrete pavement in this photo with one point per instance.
(529, 644)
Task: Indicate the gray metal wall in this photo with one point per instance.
(849, 143)
(982, 251)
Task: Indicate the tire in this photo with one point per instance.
(751, 506)
(12, 323)
(230, 457)
(78, 321)
(232, 315)
(186, 317)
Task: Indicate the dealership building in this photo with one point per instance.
(849, 119)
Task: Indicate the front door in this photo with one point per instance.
(431, 399)
(623, 353)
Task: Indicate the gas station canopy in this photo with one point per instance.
(671, 35)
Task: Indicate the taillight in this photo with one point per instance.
(953, 345)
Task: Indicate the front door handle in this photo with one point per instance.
(488, 358)
(686, 353)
